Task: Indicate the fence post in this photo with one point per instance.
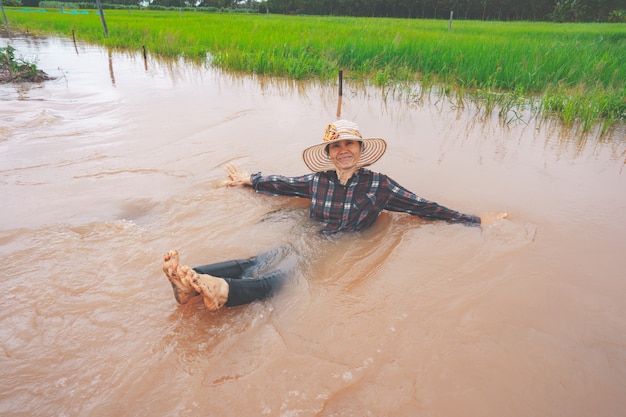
(145, 58)
(340, 95)
(104, 22)
(74, 39)
(6, 21)
(450, 24)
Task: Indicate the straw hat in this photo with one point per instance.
(317, 159)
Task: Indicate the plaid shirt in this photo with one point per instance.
(356, 205)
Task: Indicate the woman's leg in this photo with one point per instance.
(240, 268)
(225, 283)
(234, 269)
(244, 291)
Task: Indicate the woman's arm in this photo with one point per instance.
(404, 200)
(272, 184)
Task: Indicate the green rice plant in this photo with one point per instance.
(575, 70)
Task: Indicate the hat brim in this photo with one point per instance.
(317, 160)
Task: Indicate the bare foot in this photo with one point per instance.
(183, 291)
(214, 290)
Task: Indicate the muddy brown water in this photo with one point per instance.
(116, 161)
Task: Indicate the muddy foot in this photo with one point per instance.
(183, 291)
(214, 290)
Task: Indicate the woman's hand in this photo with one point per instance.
(236, 176)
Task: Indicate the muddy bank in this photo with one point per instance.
(16, 70)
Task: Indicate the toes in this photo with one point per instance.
(170, 256)
(170, 262)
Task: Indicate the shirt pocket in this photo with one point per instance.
(366, 202)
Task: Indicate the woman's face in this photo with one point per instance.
(345, 154)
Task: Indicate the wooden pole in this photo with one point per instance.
(340, 95)
(104, 22)
(340, 83)
(450, 24)
(74, 39)
(6, 21)
(145, 58)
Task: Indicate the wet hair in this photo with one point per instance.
(327, 147)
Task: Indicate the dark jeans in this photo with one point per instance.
(244, 287)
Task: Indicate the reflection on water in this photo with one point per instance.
(111, 72)
(116, 161)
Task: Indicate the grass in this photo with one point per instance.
(573, 71)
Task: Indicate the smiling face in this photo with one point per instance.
(345, 154)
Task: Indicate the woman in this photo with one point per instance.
(344, 196)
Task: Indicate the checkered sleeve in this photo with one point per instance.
(283, 186)
(403, 200)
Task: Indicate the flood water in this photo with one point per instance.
(117, 161)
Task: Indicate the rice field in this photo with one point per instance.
(573, 71)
